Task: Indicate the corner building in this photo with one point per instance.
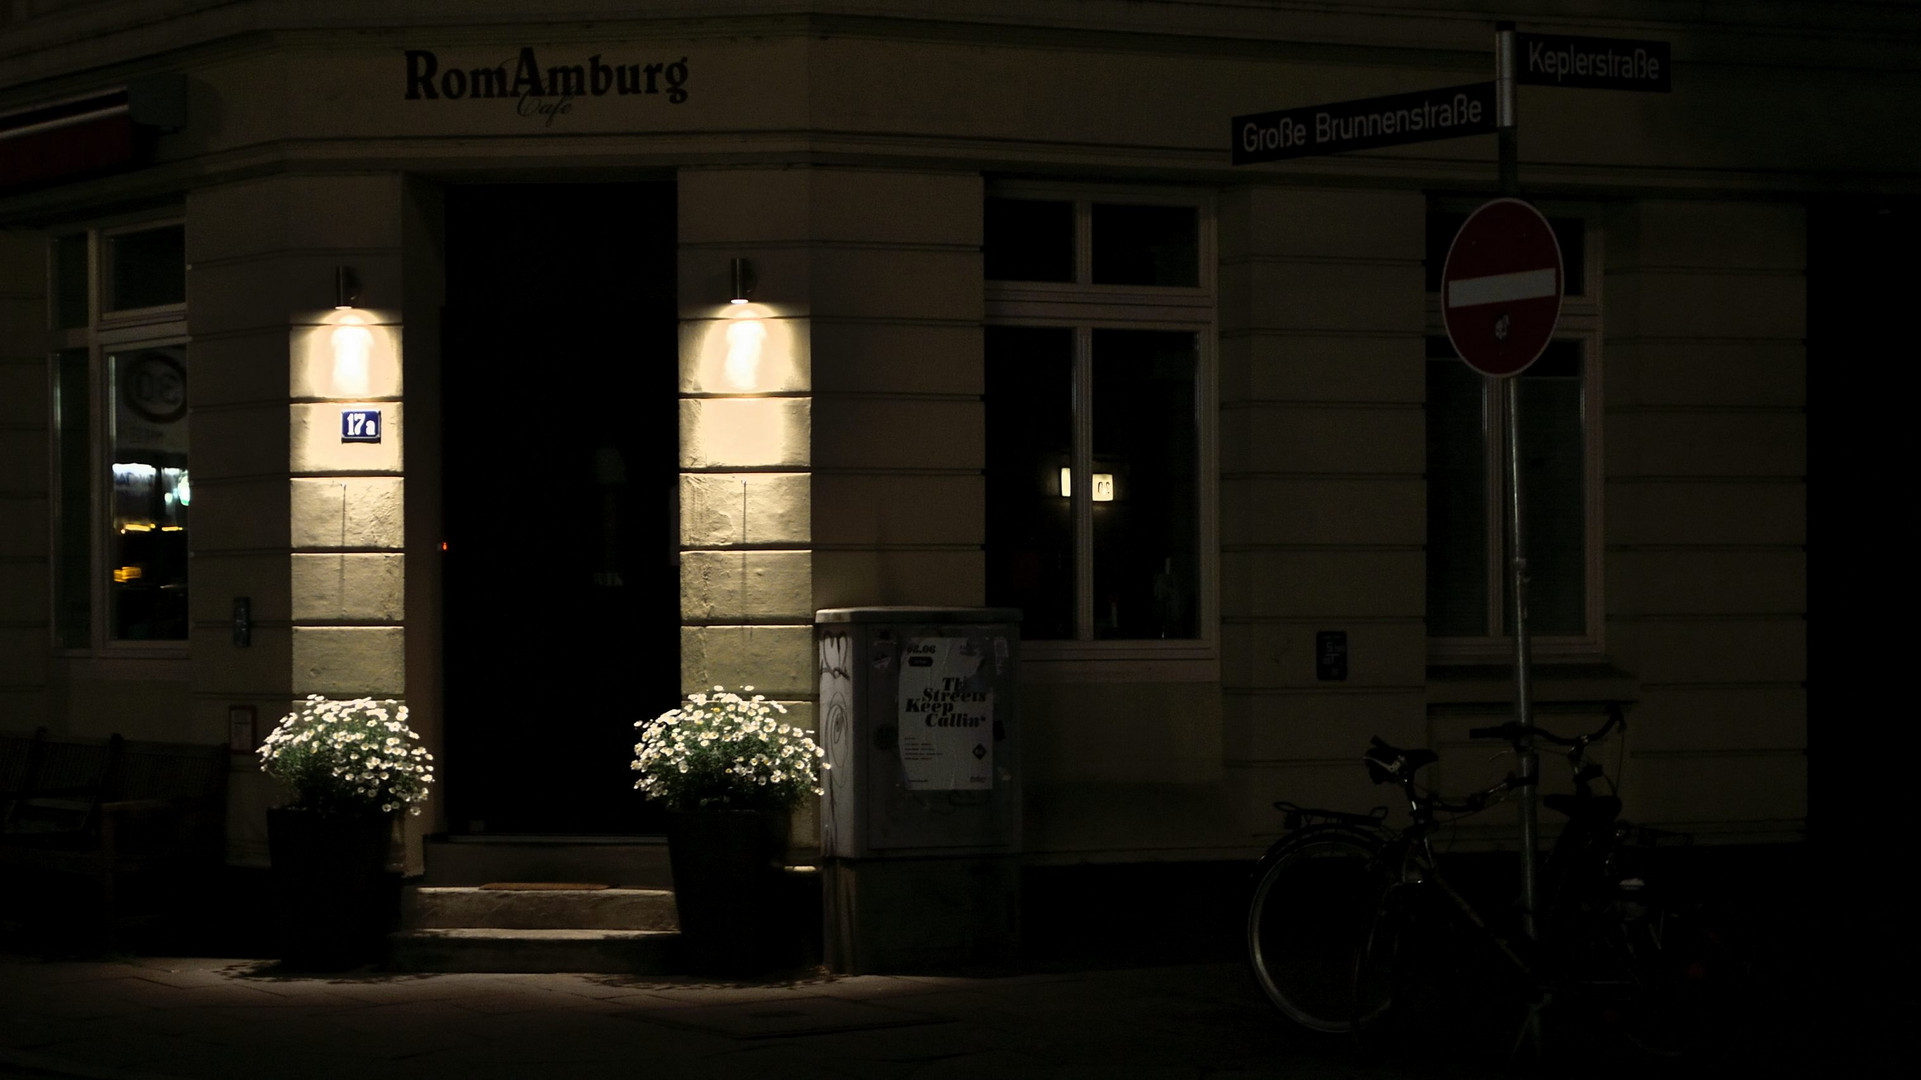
(986, 249)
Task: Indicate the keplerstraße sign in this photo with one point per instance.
(1592, 63)
(1364, 124)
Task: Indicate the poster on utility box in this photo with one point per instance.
(946, 716)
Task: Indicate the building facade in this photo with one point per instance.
(391, 349)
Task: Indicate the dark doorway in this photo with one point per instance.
(562, 612)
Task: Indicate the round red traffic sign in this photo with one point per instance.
(1501, 287)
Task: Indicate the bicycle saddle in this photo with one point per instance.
(1387, 763)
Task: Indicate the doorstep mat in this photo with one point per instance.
(785, 1017)
(543, 886)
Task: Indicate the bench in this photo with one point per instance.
(128, 826)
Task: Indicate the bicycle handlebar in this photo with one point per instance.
(1514, 732)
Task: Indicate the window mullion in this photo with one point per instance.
(1494, 407)
(1083, 474)
(99, 494)
(1083, 484)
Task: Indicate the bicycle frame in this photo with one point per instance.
(1552, 952)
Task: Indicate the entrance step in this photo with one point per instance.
(536, 908)
(633, 862)
(469, 949)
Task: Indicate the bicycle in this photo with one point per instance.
(1389, 923)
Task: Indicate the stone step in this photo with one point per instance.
(468, 907)
(634, 862)
(607, 952)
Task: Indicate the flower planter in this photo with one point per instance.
(727, 874)
(335, 902)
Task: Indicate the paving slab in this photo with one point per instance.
(214, 1018)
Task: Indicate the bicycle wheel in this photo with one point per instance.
(1385, 963)
(1306, 923)
(1679, 1002)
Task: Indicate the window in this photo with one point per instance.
(123, 493)
(1098, 402)
(1558, 396)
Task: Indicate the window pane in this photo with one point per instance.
(151, 493)
(73, 434)
(147, 268)
(1146, 245)
(1571, 234)
(1146, 484)
(70, 282)
(1030, 440)
(1028, 240)
(1457, 508)
(1553, 451)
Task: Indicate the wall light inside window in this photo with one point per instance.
(1103, 485)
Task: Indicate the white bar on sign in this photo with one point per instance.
(1499, 288)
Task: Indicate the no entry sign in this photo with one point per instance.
(1501, 287)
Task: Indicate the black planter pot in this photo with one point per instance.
(335, 902)
(727, 868)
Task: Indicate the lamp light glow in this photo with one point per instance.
(351, 344)
(746, 338)
(1103, 485)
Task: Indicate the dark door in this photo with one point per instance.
(562, 611)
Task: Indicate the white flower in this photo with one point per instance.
(725, 748)
(322, 750)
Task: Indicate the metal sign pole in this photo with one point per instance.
(1506, 131)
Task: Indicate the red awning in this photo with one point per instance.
(80, 136)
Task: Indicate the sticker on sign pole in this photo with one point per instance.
(1501, 287)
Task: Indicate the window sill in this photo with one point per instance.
(1568, 683)
(125, 663)
(1120, 661)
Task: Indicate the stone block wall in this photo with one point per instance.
(1322, 490)
(309, 528)
(1706, 377)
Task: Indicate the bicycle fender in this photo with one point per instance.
(1303, 835)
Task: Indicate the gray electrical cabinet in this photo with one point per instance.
(921, 825)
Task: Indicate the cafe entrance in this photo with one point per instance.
(562, 597)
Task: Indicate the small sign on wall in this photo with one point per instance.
(1330, 655)
(360, 425)
(240, 728)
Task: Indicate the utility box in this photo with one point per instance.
(921, 826)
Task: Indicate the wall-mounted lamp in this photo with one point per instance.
(346, 288)
(743, 279)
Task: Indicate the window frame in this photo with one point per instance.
(104, 334)
(1580, 321)
(1084, 307)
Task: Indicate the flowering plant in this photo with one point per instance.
(349, 756)
(724, 751)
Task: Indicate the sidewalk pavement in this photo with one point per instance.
(211, 1019)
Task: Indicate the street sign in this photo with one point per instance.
(1363, 124)
(1501, 287)
(359, 425)
(1592, 63)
